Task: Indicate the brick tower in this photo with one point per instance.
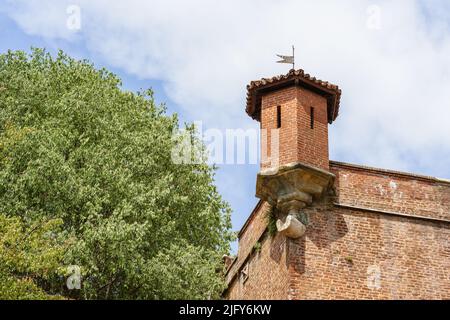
(294, 111)
(331, 230)
(300, 108)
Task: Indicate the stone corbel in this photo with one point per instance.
(289, 189)
(291, 227)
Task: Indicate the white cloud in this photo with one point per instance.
(395, 110)
(44, 18)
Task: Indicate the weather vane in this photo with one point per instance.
(288, 59)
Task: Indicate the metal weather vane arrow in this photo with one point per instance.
(288, 59)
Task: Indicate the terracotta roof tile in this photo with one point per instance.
(293, 77)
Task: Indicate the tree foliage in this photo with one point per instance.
(77, 148)
(30, 258)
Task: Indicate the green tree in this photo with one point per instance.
(74, 146)
(30, 258)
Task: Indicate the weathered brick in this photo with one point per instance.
(382, 235)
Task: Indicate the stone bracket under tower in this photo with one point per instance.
(288, 189)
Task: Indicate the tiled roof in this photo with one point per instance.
(293, 77)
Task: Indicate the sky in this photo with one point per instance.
(390, 58)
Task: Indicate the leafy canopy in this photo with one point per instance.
(30, 258)
(76, 147)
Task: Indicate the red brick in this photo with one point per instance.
(382, 235)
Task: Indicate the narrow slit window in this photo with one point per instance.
(278, 117)
(244, 274)
(312, 117)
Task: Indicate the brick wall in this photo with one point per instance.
(352, 254)
(298, 142)
(267, 268)
(268, 276)
(392, 191)
(386, 235)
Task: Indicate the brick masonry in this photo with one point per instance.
(298, 142)
(387, 247)
(381, 234)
